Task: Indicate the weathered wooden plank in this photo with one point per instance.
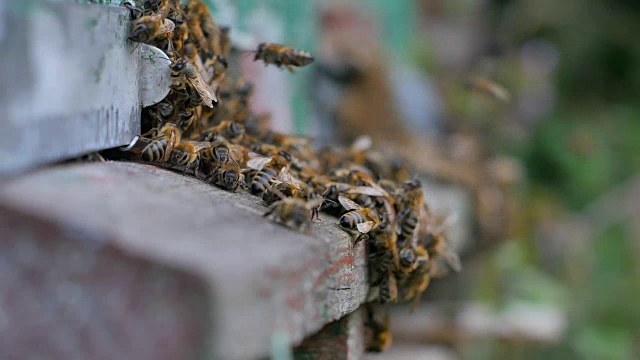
(410, 351)
(65, 295)
(262, 278)
(341, 339)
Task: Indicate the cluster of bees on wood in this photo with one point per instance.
(205, 128)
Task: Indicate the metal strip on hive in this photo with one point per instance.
(69, 81)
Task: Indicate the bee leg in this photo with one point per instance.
(271, 209)
(291, 70)
(360, 237)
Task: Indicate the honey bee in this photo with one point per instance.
(438, 246)
(282, 56)
(185, 73)
(410, 200)
(134, 11)
(227, 129)
(191, 53)
(159, 113)
(150, 27)
(388, 289)
(358, 219)
(228, 176)
(293, 212)
(224, 40)
(383, 261)
(186, 155)
(415, 283)
(218, 151)
(376, 326)
(215, 69)
(485, 86)
(196, 11)
(187, 117)
(162, 143)
(179, 37)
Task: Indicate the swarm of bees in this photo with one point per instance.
(204, 128)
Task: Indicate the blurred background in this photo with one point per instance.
(531, 108)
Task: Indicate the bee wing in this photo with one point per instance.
(366, 226)
(314, 204)
(366, 190)
(199, 145)
(167, 26)
(445, 224)
(169, 148)
(257, 162)
(453, 260)
(301, 58)
(202, 88)
(348, 203)
(286, 176)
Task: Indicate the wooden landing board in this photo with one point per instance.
(261, 279)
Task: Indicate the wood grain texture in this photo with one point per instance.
(261, 278)
(340, 340)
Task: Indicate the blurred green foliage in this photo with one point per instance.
(586, 146)
(582, 149)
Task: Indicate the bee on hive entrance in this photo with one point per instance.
(162, 143)
(294, 213)
(358, 220)
(150, 27)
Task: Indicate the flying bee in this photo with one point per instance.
(185, 72)
(282, 56)
(358, 219)
(293, 212)
(485, 86)
(150, 27)
(186, 155)
(162, 143)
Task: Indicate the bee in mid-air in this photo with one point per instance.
(485, 86)
(358, 219)
(186, 74)
(293, 212)
(162, 143)
(282, 56)
(150, 27)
